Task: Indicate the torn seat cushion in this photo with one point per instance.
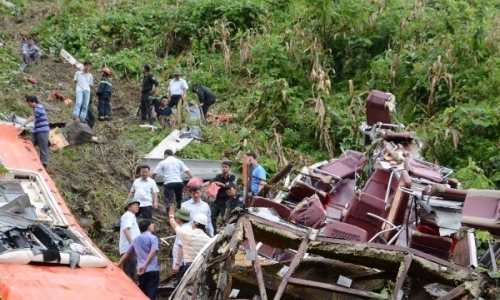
(431, 244)
(309, 212)
(482, 210)
(376, 108)
(425, 170)
(340, 230)
(282, 210)
(358, 213)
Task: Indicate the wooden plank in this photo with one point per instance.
(247, 180)
(453, 294)
(276, 178)
(173, 142)
(293, 266)
(256, 262)
(403, 270)
(331, 287)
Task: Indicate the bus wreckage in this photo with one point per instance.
(384, 224)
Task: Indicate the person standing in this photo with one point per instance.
(145, 247)
(31, 52)
(258, 173)
(104, 95)
(218, 207)
(197, 206)
(83, 81)
(177, 89)
(149, 86)
(206, 98)
(172, 168)
(183, 219)
(193, 239)
(146, 191)
(128, 232)
(40, 133)
(234, 201)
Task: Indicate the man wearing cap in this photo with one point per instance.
(221, 180)
(193, 239)
(145, 247)
(149, 86)
(128, 232)
(182, 218)
(177, 89)
(146, 191)
(258, 173)
(197, 206)
(83, 81)
(234, 201)
(104, 95)
(172, 168)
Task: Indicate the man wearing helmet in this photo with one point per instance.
(104, 95)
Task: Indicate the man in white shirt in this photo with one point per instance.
(177, 89)
(183, 219)
(129, 230)
(172, 168)
(83, 81)
(197, 206)
(193, 239)
(146, 191)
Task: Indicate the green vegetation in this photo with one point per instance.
(294, 74)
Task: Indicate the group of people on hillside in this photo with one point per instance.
(193, 219)
(161, 109)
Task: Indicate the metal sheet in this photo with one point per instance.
(206, 169)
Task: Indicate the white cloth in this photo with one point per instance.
(144, 190)
(200, 208)
(193, 240)
(83, 81)
(171, 168)
(175, 87)
(129, 221)
(178, 244)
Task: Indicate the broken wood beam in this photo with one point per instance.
(372, 255)
(400, 278)
(455, 293)
(293, 265)
(256, 263)
(276, 178)
(331, 287)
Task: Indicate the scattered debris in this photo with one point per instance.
(32, 80)
(57, 139)
(55, 95)
(191, 132)
(173, 142)
(217, 119)
(68, 57)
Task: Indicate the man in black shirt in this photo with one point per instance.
(234, 201)
(219, 205)
(149, 85)
(206, 98)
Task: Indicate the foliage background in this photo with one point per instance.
(294, 73)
